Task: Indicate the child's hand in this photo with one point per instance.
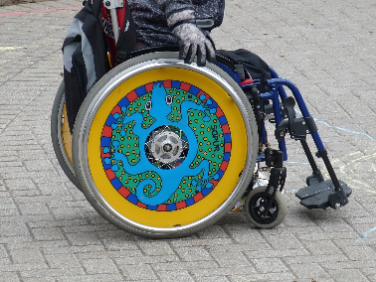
(194, 42)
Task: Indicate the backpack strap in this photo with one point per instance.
(232, 64)
(127, 37)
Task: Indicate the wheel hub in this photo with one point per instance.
(167, 147)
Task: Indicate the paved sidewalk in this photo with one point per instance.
(16, 2)
(49, 232)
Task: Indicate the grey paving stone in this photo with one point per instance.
(26, 256)
(327, 258)
(322, 247)
(225, 271)
(67, 212)
(263, 277)
(358, 252)
(230, 258)
(118, 240)
(276, 253)
(175, 276)
(155, 248)
(213, 231)
(282, 240)
(175, 265)
(100, 266)
(346, 265)
(9, 276)
(311, 271)
(212, 279)
(33, 208)
(62, 261)
(193, 241)
(14, 229)
(138, 272)
(347, 275)
(268, 265)
(8, 207)
(135, 257)
(64, 248)
(83, 239)
(30, 266)
(51, 274)
(90, 278)
(245, 236)
(49, 233)
(193, 253)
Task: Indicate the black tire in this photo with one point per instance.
(87, 113)
(277, 211)
(57, 119)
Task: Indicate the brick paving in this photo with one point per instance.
(16, 2)
(49, 232)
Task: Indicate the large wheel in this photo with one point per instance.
(61, 135)
(164, 149)
(255, 207)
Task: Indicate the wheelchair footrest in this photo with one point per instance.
(323, 194)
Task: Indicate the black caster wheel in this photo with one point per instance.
(255, 206)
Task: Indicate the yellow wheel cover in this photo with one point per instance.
(66, 135)
(167, 147)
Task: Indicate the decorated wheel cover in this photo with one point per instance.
(162, 151)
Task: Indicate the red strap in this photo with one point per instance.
(247, 81)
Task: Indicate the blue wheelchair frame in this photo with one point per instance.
(318, 193)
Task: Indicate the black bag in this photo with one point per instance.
(251, 63)
(85, 53)
(245, 62)
(85, 57)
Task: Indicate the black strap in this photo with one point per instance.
(127, 37)
(205, 23)
(241, 71)
(226, 61)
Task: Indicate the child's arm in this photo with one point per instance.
(180, 15)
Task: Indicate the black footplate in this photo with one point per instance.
(323, 194)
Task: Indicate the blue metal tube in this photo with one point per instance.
(274, 96)
(281, 90)
(273, 72)
(277, 82)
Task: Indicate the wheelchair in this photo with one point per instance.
(164, 149)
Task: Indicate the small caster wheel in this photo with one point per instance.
(255, 206)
